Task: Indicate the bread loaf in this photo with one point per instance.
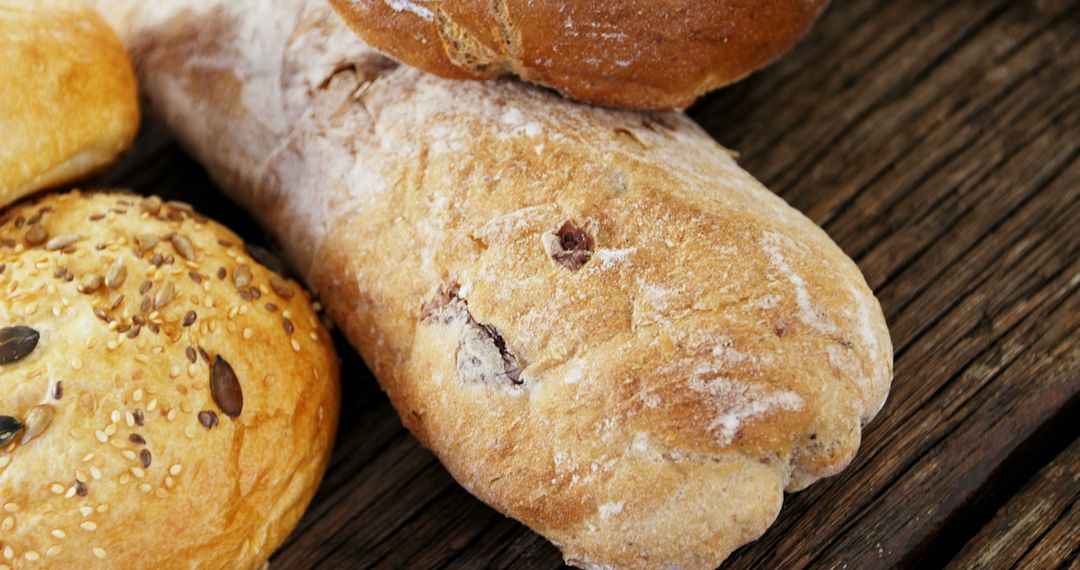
(622, 53)
(167, 402)
(67, 91)
(601, 325)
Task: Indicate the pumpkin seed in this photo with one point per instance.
(9, 428)
(17, 342)
(37, 420)
(225, 388)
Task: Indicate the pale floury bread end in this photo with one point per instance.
(601, 325)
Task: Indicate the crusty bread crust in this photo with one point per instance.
(636, 54)
(132, 470)
(68, 92)
(601, 325)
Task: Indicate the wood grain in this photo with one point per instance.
(938, 143)
(1037, 528)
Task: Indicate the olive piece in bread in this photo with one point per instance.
(126, 456)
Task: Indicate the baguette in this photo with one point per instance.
(622, 53)
(67, 89)
(599, 323)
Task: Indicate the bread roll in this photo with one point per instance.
(638, 54)
(601, 325)
(68, 92)
(168, 402)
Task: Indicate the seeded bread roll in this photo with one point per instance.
(67, 95)
(167, 401)
(601, 325)
(638, 54)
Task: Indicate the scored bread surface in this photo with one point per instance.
(136, 462)
(601, 325)
(622, 53)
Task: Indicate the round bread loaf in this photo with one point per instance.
(167, 401)
(68, 92)
(628, 53)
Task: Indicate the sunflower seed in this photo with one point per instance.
(17, 342)
(37, 420)
(164, 295)
(225, 388)
(184, 246)
(242, 276)
(90, 283)
(151, 205)
(61, 242)
(146, 241)
(116, 275)
(9, 428)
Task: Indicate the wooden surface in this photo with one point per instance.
(936, 141)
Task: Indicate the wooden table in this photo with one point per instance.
(936, 141)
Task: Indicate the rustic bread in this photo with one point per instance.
(601, 325)
(68, 92)
(167, 401)
(624, 53)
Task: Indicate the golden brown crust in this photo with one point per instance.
(642, 394)
(633, 54)
(68, 91)
(127, 474)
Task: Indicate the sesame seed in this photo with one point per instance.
(161, 493)
(248, 333)
(145, 487)
(4, 461)
(12, 507)
(57, 489)
(176, 469)
(295, 345)
(138, 472)
(152, 405)
(137, 395)
(9, 552)
(100, 435)
(59, 534)
(128, 454)
(86, 511)
(53, 550)
(100, 553)
(95, 473)
(90, 526)
(32, 555)
(8, 524)
(70, 492)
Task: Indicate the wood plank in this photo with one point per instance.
(1037, 528)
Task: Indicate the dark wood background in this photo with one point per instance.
(936, 141)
